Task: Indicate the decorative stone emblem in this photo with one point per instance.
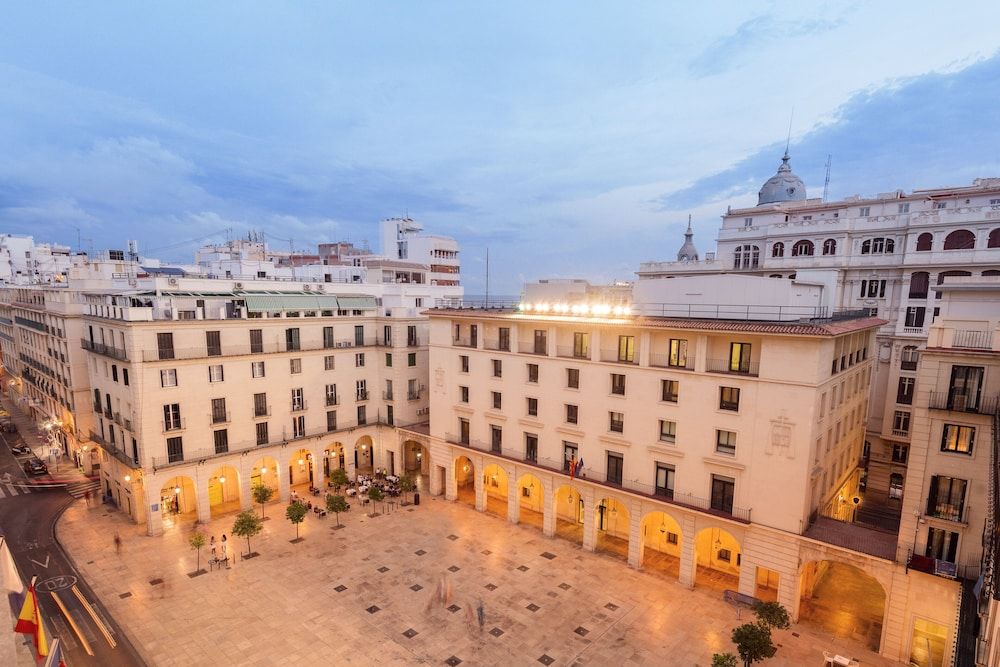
(439, 377)
(781, 437)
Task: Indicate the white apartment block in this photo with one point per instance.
(404, 239)
(704, 447)
(24, 262)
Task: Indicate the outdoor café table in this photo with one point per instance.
(351, 492)
(391, 478)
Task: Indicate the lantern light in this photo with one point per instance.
(128, 478)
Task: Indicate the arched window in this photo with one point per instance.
(994, 239)
(960, 239)
(949, 274)
(890, 246)
(803, 249)
(924, 241)
(878, 246)
(866, 247)
(778, 249)
(830, 247)
(746, 257)
(920, 282)
(991, 272)
(778, 275)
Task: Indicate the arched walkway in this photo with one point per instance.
(568, 506)
(717, 558)
(265, 471)
(843, 600)
(364, 450)
(333, 458)
(416, 458)
(179, 500)
(531, 501)
(465, 481)
(496, 484)
(300, 474)
(661, 544)
(224, 491)
(613, 521)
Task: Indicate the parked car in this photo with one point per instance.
(35, 467)
(20, 449)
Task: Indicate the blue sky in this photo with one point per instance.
(571, 138)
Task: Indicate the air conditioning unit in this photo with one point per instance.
(172, 281)
(305, 288)
(238, 286)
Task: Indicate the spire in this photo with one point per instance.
(688, 253)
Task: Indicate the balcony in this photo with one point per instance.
(270, 347)
(415, 394)
(956, 402)
(532, 348)
(332, 400)
(660, 360)
(172, 425)
(901, 432)
(497, 345)
(572, 352)
(222, 417)
(972, 340)
(726, 366)
(114, 451)
(299, 406)
(106, 350)
(949, 512)
(463, 342)
(361, 395)
(261, 410)
(387, 395)
(613, 356)
(108, 414)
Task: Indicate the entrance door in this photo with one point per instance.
(602, 517)
(392, 463)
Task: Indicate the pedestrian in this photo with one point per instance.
(211, 545)
(86, 498)
(481, 614)
(118, 543)
(225, 556)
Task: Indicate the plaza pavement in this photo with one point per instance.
(360, 596)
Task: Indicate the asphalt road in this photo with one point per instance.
(28, 521)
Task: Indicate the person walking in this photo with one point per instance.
(225, 554)
(481, 614)
(211, 545)
(118, 543)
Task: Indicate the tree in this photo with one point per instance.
(247, 525)
(407, 485)
(753, 643)
(197, 541)
(338, 478)
(261, 494)
(296, 513)
(336, 504)
(375, 495)
(724, 660)
(772, 615)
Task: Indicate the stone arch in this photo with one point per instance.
(718, 555)
(925, 242)
(568, 508)
(300, 470)
(993, 240)
(224, 491)
(416, 458)
(465, 480)
(267, 472)
(778, 249)
(830, 247)
(179, 499)
(364, 455)
(803, 248)
(960, 239)
(661, 541)
(530, 501)
(612, 520)
(842, 599)
(949, 274)
(335, 457)
(496, 486)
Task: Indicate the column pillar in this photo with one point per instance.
(688, 553)
(589, 520)
(478, 471)
(319, 480)
(246, 489)
(748, 575)
(154, 519)
(513, 496)
(349, 462)
(201, 498)
(451, 482)
(548, 509)
(284, 483)
(635, 535)
(788, 587)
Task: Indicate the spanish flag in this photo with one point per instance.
(29, 621)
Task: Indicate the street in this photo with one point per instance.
(28, 516)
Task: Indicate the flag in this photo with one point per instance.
(579, 466)
(55, 658)
(572, 467)
(29, 621)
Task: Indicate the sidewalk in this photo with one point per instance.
(35, 438)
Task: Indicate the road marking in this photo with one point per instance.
(57, 583)
(72, 624)
(45, 564)
(93, 614)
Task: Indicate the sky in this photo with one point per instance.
(572, 139)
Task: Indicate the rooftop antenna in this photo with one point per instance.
(487, 276)
(826, 184)
(788, 141)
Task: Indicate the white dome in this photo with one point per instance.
(783, 186)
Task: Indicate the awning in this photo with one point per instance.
(356, 302)
(280, 302)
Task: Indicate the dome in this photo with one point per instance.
(783, 186)
(688, 253)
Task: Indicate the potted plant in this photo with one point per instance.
(261, 494)
(296, 513)
(337, 504)
(247, 525)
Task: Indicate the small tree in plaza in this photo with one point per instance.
(338, 477)
(407, 485)
(261, 494)
(375, 495)
(197, 541)
(296, 513)
(336, 504)
(753, 643)
(773, 615)
(724, 660)
(247, 525)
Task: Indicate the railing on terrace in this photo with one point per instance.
(478, 304)
(496, 345)
(727, 366)
(983, 405)
(991, 545)
(572, 352)
(732, 311)
(531, 348)
(106, 350)
(660, 360)
(462, 342)
(414, 394)
(613, 356)
(973, 340)
(949, 512)
(269, 347)
(113, 449)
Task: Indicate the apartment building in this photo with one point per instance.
(718, 451)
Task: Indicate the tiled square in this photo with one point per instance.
(341, 588)
(383, 569)
(552, 594)
(453, 608)
(155, 582)
(496, 632)
(546, 659)
(416, 587)
(410, 633)
(565, 586)
(490, 587)
(453, 661)
(420, 552)
(523, 568)
(454, 568)
(125, 595)
(582, 631)
(532, 607)
(548, 555)
(612, 606)
(453, 537)
(373, 609)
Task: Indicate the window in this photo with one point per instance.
(896, 486)
(361, 390)
(388, 359)
(919, 284)
(496, 438)
(664, 480)
(993, 240)
(359, 334)
(359, 360)
(901, 422)
(865, 211)
(581, 345)
(725, 442)
(463, 394)
(125, 376)
(411, 359)
(175, 450)
(172, 417)
(626, 349)
(463, 362)
(615, 464)
(938, 205)
(213, 342)
(298, 400)
(678, 353)
(965, 388)
(778, 249)
(830, 247)
(331, 420)
(915, 317)
(362, 415)
(530, 447)
(261, 429)
(292, 339)
(256, 341)
(900, 452)
(616, 422)
(904, 207)
(723, 491)
(497, 368)
(942, 544)
(668, 430)
(669, 390)
(746, 257)
(532, 407)
(411, 335)
(497, 400)
(909, 358)
(572, 413)
(925, 241)
(463, 430)
(503, 341)
(260, 405)
(541, 342)
(729, 398)
(532, 373)
(946, 498)
(739, 357)
(294, 366)
(331, 395)
(168, 377)
(221, 438)
(573, 378)
(803, 249)
(328, 362)
(960, 239)
(959, 439)
(257, 369)
(878, 246)
(569, 455)
(328, 341)
(215, 373)
(618, 384)
(299, 426)
(114, 373)
(873, 289)
(748, 222)
(904, 392)
(219, 413)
